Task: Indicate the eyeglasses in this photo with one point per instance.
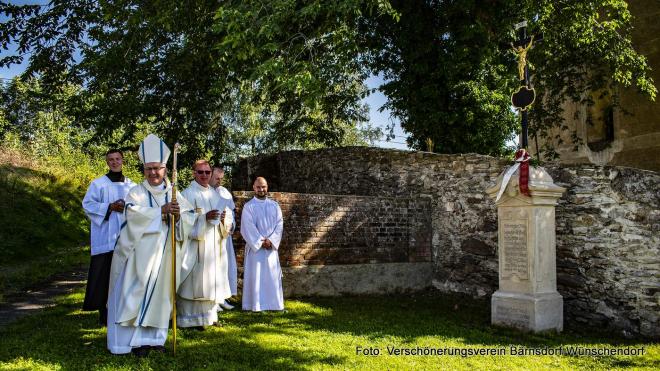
(148, 169)
(200, 172)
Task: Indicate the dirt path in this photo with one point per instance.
(41, 296)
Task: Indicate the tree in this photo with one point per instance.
(297, 66)
(34, 117)
(177, 66)
(447, 81)
(450, 70)
(587, 51)
(302, 59)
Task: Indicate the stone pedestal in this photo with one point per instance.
(527, 298)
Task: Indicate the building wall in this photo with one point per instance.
(608, 222)
(636, 140)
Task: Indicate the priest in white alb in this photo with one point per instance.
(205, 282)
(104, 206)
(216, 182)
(261, 227)
(140, 299)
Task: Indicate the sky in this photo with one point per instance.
(381, 119)
(9, 73)
(374, 101)
(16, 69)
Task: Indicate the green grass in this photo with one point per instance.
(44, 227)
(19, 275)
(45, 213)
(319, 333)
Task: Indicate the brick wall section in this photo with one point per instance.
(608, 222)
(464, 221)
(338, 229)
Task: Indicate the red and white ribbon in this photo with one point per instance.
(522, 162)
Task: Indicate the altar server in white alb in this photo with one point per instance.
(205, 282)
(140, 300)
(216, 183)
(261, 227)
(104, 205)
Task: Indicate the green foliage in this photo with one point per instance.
(248, 131)
(37, 195)
(450, 70)
(45, 230)
(42, 126)
(586, 49)
(234, 77)
(44, 227)
(44, 174)
(321, 333)
(300, 60)
(447, 81)
(166, 66)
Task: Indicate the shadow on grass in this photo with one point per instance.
(452, 317)
(66, 337)
(315, 332)
(436, 315)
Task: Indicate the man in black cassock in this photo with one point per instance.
(104, 205)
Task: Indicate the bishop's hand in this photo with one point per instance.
(171, 208)
(212, 215)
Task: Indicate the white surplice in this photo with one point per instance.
(262, 277)
(100, 194)
(204, 271)
(140, 299)
(231, 254)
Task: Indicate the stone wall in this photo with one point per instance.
(355, 244)
(608, 222)
(464, 221)
(608, 247)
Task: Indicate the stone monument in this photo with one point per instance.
(527, 298)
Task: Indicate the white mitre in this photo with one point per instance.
(153, 149)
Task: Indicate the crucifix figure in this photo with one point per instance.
(523, 98)
(521, 52)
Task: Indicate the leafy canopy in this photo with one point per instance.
(248, 76)
(189, 72)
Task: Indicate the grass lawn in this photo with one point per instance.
(17, 276)
(43, 225)
(315, 333)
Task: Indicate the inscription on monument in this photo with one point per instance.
(514, 248)
(512, 314)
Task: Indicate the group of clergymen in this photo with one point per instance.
(131, 270)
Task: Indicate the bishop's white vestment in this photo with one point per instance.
(204, 276)
(262, 276)
(140, 300)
